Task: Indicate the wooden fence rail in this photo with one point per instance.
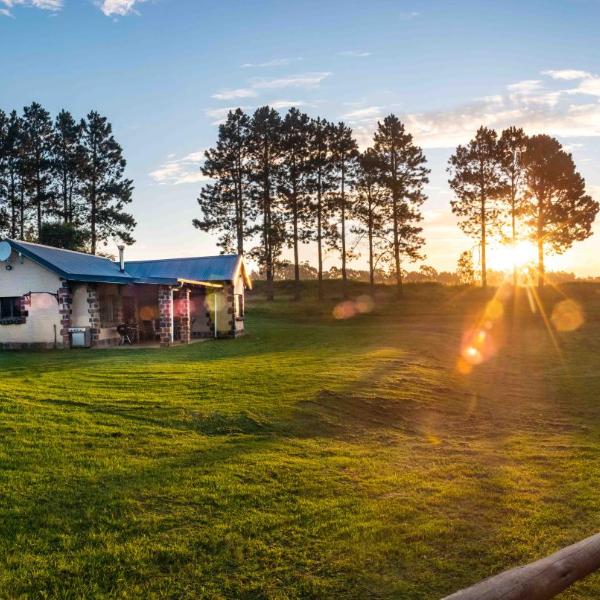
(540, 580)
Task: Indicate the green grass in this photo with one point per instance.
(312, 458)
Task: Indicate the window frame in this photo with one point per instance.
(104, 301)
(16, 316)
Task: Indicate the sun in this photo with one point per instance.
(519, 256)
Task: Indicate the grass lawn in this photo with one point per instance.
(312, 458)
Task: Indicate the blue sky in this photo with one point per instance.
(165, 71)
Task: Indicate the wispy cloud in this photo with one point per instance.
(118, 8)
(360, 114)
(279, 104)
(354, 53)
(237, 93)
(412, 14)
(6, 6)
(180, 171)
(564, 111)
(304, 80)
(274, 62)
(567, 74)
(220, 114)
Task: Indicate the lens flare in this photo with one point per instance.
(567, 315)
(351, 308)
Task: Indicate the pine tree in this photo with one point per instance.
(478, 182)
(105, 190)
(37, 133)
(511, 147)
(225, 203)
(294, 182)
(344, 154)
(558, 210)
(264, 159)
(320, 182)
(367, 207)
(4, 178)
(403, 174)
(66, 163)
(15, 176)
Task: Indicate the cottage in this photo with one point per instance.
(53, 298)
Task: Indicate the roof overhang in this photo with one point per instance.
(24, 251)
(242, 270)
(201, 283)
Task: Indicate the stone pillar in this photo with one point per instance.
(94, 312)
(65, 301)
(165, 312)
(208, 299)
(184, 314)
(230, 295)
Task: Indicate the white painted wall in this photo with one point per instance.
(80, 317)
(27, 276)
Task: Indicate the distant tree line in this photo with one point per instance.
(514, 187)
(62, 181)
(278, 182)
(463, 275)
(281, 181)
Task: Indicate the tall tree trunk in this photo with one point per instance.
(483, 244)
(396, 232)
(239, 208)
(13, 207)
(319, 238)
(370, 233)
(514, 228)
(541, 267)
(22, 212)
(296, 249)
(540, 244)
(397, 245)
(268, 230)
(65, 197)
(344, 272)
(39, 208)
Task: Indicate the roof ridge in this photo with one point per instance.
(88, 254)
(128, 262)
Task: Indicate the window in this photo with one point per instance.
(10, 309)
(107, 309)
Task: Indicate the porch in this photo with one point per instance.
(158, 315)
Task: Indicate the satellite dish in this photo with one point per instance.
(5, 251)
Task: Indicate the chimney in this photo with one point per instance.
(122, 258)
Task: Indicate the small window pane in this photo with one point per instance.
(10, 308)
(107, 309)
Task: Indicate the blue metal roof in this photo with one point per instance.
(78, 266)
(206, 268)
(74, 266)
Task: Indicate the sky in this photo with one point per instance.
(165, 72)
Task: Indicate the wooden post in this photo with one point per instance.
(539, 580)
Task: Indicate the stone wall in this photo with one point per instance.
(94, 312)
(65, 302)
(165, 308)
(183, 310)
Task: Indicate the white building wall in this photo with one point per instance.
(42, 325)
(80, 317)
